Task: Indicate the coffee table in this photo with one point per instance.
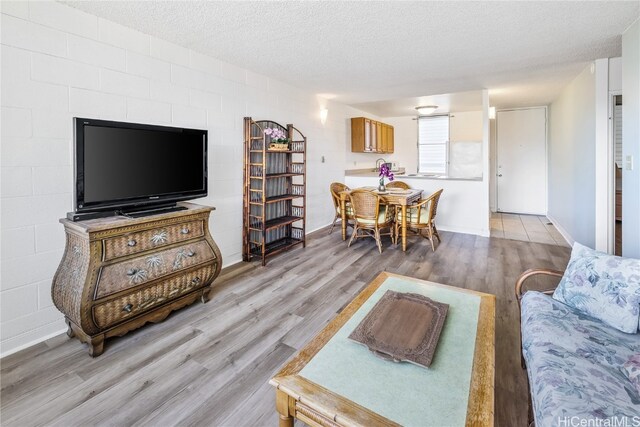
(334, 381)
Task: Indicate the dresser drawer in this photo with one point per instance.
(127, 274)
(117, 310)
(133, 243)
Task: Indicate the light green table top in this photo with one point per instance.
(405, 393)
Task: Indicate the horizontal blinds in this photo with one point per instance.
(433, 137)
(617, 134)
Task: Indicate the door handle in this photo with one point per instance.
(499, 174)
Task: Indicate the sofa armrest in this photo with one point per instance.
(534, 272)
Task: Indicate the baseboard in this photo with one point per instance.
(564, 233)
(32, 343)
(463, 230)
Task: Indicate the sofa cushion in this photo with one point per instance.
(575, 363)
(603, 286)
(632, 369)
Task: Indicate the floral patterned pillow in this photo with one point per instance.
(602, 286)
(632, 369)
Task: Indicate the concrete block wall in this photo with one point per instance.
(58, 63)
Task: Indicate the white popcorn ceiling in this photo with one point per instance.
(361, 53)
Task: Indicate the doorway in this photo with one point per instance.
(521, 162)
(616, 138)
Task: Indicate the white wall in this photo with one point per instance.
(57, 63)
(631, 141)
(466, 126)
(615, 74)
(603, 159)
(572, 159)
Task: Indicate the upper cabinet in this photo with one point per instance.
(370, 136)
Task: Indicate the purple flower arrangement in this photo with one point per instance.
(385, 172)
(277, 135)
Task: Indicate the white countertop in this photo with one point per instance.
(402, 174)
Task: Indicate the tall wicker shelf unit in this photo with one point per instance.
(274, 211)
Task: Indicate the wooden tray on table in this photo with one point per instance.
(403, 327)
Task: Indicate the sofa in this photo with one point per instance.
(581, 367)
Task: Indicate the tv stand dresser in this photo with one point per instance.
(119, 273)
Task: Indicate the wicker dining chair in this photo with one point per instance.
(370, 217)
(336, 188)
(421, 217)
(398, 184)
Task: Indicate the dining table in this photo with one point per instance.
(395, 197)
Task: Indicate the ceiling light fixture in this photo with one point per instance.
(425, 110)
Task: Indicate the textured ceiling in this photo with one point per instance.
(447, 103)
(361, 52)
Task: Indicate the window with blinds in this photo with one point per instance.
(433, 141)
(617, 134)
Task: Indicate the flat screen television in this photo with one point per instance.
(127, 167)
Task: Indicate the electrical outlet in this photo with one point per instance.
(629, 162)
(322, 159)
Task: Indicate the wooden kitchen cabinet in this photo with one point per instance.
(388, 139)
(371, 136)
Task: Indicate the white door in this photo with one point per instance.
(521, 137)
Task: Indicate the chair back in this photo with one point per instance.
(336, 188)
(365, 205)
(430, 204)
(433, 209)
(399, 184)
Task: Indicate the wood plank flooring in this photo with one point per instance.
(208, 364)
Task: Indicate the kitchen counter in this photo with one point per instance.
(461, 204)
(401, 174)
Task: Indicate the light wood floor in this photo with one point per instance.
(209, 364)
(528, 228)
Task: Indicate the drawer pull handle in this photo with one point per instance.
(185, 230)
(191, 254)
(195, 280)
(132, 243)
(127, 308)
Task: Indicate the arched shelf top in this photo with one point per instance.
(298, 130)
(262, 124)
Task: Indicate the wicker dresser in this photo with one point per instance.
(117, 273)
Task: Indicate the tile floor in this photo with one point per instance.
(529, 228)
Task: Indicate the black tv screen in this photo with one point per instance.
(121, 165)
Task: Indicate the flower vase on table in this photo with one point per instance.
(385, 172)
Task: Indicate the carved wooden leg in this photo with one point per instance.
(206, 295)
(70, 332)
(282, 406)
(96, 346)
(404, 228)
